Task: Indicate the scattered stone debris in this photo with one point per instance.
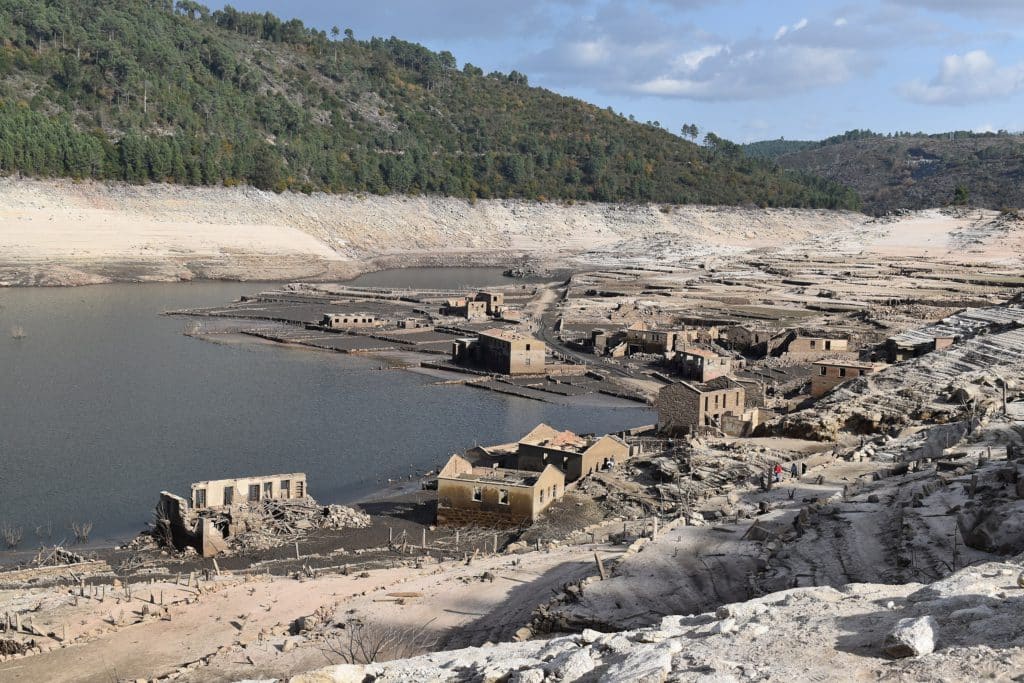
(272, 523)
(10, 647)
(814, 633)
(528, 268)
(55, 556)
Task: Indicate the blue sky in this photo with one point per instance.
(745, 69)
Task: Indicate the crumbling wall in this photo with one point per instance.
(174, 521)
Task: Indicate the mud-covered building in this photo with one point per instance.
(494, 496)
(701, 365)
(828, 374)
(691, 407)
(810, 346)
(502, 351)
(245, 490)
(338, 321)
(576, 456)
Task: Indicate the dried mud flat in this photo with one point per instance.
(66, 233)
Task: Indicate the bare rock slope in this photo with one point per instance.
(963, 627)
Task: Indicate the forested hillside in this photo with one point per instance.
(773, 149)
(915, 170)
(147, 90)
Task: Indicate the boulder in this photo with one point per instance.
(911, 638)
(571, 666)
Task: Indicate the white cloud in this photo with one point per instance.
(754, 72)
(691, 61)
(783, 30)
(587, 53)
(841, 21)
(971, 8)
(967, 79)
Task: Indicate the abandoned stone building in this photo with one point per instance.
(576, 456)
(238, 492)
(915, 343)
(221, 508)
(752, 340)
(809, 347)
(476, 307)
(494, 302)
(465, 308)
(689, 407)
(413, 323)
(494, 496)
(336, 321)
(701, 365)
(828, 374)
(502, 351)
(640, 338)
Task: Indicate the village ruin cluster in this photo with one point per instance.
(814, 422)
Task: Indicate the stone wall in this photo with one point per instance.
(448, 516)
(678, 409)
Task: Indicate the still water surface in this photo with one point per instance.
(104, 403)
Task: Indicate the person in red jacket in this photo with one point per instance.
(778, 472)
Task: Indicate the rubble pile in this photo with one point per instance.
(963, 627)
(271, 522)
(681, 478)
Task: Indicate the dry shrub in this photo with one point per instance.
(359, 642)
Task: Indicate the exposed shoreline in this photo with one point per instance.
(63, 233)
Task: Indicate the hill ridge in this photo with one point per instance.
(142, 92)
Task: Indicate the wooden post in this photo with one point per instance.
(955, 549)
(391, 535)
(424, 544)
(495, 544)
(654, 532)
(456, 539)
(296, 551)
(600, 566)
(216, 566)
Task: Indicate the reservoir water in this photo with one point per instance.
(104, 403)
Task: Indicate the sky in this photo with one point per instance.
(744, 69)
